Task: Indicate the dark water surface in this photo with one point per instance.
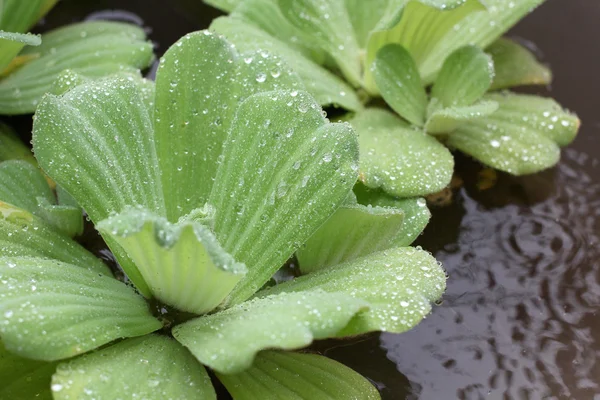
(521, 316)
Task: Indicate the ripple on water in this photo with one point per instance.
(520, 317)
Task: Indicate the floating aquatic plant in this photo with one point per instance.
(29, 64)
(202, 185)
(350, 53)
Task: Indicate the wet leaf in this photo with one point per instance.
(419, 31)
(399, 83)
(183, 264)
(365, 16)
(286, 375)
(326, 87)
(23, 378)
(224, 5)
(11, 44)
(351, 232)
(229, 340)
(284, 171)
(197, 95)
(24, 234)
(446, 120)
(92, 49)
(395, 157)
(328, 24)
(464, 78)
(416, 213)
(515, 65)
(149, 367)
(12, 148)
(23, 185)
(522, 137)
(399, 285)
(97, 142)
(19, 15)
(50, 310)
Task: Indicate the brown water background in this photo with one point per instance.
(521, 316)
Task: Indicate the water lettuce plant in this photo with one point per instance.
(30, 64)
(438, 65)
(202, 185)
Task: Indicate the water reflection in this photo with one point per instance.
(519, 320)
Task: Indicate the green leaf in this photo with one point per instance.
(92, 49)
(416, 213)
(480, 28)
(285, 169)
(197, 95)
(328, 24)
(24, 234)
(19, 15)
(286, 375)
(365, 16)
(11, 44)
(97, 142)
(402, 161)
(23, 185)
(399, 83)
(50, 310)
(399, 284)
(183, 264)
(515, 65)
(421, 28)
(149, 367)
(446, 120)
(224, 5)
(12, 148)
(266, 15)
(23, 378)
(522, 137)
(326, 87)
(229, 340)
(351, 232)
(464, 78)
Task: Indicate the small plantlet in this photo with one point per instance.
(350, 53)
(202, 185)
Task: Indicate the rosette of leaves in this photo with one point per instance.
(202, 185)
(349, 53)
(91, 49)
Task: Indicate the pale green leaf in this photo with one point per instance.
(522, 137)
(351, 232)
(97, 142)
(183, 264)
(229, 340)
(197, 95)
(151, 367)
(19, 15)
(328, 24)
(395, 157)
(24, 186)
(326, 87)
(278, 375)
(416, 213)
(50, 310)
(266, 15)
(11, 44)
(92, 49)
(479, 28)
(224, 5)
(399, 83)
(464, 78)
(12, 148)
(420, 30)
(366, 15)
(446, 120)
(284, 171)
(23, 378)
(516, 65)
(24, 234)
(399, 285)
